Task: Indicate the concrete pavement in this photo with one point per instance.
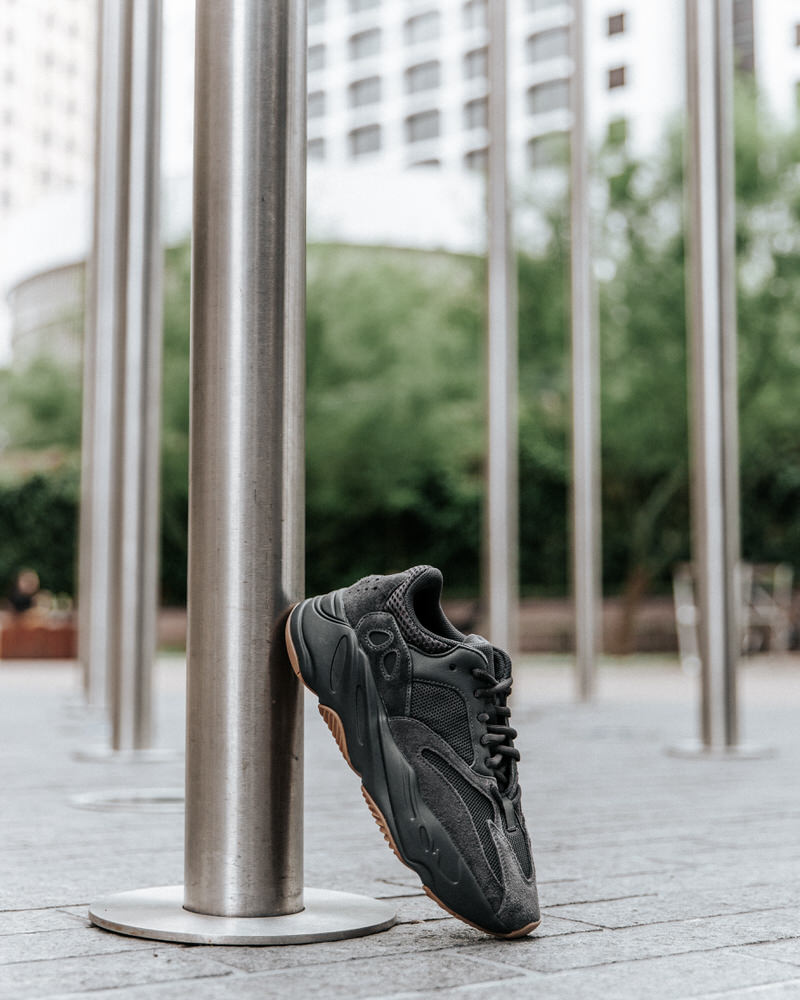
(660, 878)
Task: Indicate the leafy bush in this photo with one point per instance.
(40, 529)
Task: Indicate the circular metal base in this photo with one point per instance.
(158, 913)
(150, 800)
(696, 749)
(105, 755)
(76, 706)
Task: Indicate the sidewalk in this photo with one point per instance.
(659, 877)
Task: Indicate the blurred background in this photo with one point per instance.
(397, 145)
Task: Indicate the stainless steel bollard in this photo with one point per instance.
(502, 499)
(585, 498)
(104, 281)
(244, 710)
(120, 614)
(244, 777)
(714, 408)
(138, 378)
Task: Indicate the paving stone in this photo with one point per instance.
(679, 904)
(29, 921)
(79, 976)
(778, 951)
(708, 975)
(64, 944)
(357, 978)
(650, 941)
(789, 990)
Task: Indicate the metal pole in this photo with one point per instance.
(105, 276)
(244, 760)
(585, 499)
(712, 282)
(244, 778)
(138, 379)
(502, 515)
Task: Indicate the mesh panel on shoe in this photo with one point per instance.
(443, 709)
(519, 842)
(409, 625)
(477, 804)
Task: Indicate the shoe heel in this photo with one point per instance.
(318, 646)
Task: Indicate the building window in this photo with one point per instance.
(743, 41)
(316, 57)
(616, 77)
(356, 6)
(476, 63)
(797, 35)
(476, 14)
(8, 157)
(365, 44)
(316, 149)
(316, 104)
(433, 162)
(616, 24)
(425, 76)
(535, 5)
(617, 134)
(365, 140)
(553, 95)
(476, 159)
(422, 28)
(316, 11)
(548, 150)
(548, 45)
(476, 113)
(422, 126)
(363, 92)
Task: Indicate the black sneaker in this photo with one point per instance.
(419, 712)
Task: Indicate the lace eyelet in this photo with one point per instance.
(452, 666)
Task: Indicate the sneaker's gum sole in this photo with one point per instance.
(334, 723)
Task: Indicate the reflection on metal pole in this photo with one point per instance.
(714, 409)
(244, 754)
(244, 780)
(126, 357)
(502, 504)
(585, 500)
(104, 278)
(138, 380)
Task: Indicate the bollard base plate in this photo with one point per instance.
(149, 755)
(698, 749)
(158, 913)
(154, 800)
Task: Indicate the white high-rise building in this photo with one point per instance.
(47, 67)
(403, 82)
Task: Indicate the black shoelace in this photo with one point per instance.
(499, 736)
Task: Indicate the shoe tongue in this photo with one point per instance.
(499, 661)
(485, 647)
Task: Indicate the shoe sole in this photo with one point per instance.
(337, 729)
